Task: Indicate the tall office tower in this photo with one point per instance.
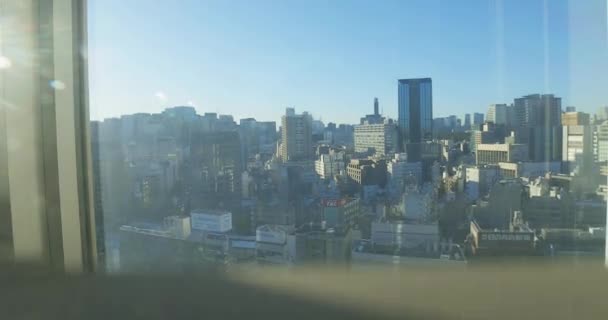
(376, 107)
(497, 114)
(477, 119)
(296, 136)
(415, 101)
(537, 110)
(537, 119)
(467, 121)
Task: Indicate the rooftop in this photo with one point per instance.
(209, 212)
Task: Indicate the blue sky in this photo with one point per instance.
(254, 58)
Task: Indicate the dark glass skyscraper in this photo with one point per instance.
(415, 100)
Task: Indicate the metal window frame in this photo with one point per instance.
(45, 168)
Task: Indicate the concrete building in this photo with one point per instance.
(600, 142)
(495, 153)
(482, 137)
(601, 114)
(365, 255)
(275, 245)
(367, 172)
(296, 136)
(215, 170)
(486, 240)
(400, 172)
(577, 149)
(548, 207)
(506, 196)
(575, 119)
(420, 238)
(316, 245)
(340, 214)
(211, 221)
(179, 226)
(528, 169)
(497, 114)
(330, 165)
(415, 102)
(417, 204)
(380, 139)
(488, 133)
(479, 180)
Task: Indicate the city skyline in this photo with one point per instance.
(254, 60)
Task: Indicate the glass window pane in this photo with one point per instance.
(232, 135)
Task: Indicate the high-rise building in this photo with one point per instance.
(577, 149)
(248, 132)
(296, 136)
(215, 170)
(477, 119)
(467, 121)
(267, 133)
(537, 110)
(537, 120)
(415, 101)
(575, 119)
(376, 138)
(497, 114)
(600, 142)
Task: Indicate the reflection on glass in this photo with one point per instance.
(425, 134)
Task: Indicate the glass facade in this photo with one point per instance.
(415, 99)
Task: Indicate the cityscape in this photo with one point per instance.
(182, 191)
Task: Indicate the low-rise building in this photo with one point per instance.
(500, 152)
(211, 221)
(479, 180)
(486, 240)
(330, 165)
(275, 244)
(548, 207)
(340, 214)
(528, 169)
(367, 172)
(400, 172)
